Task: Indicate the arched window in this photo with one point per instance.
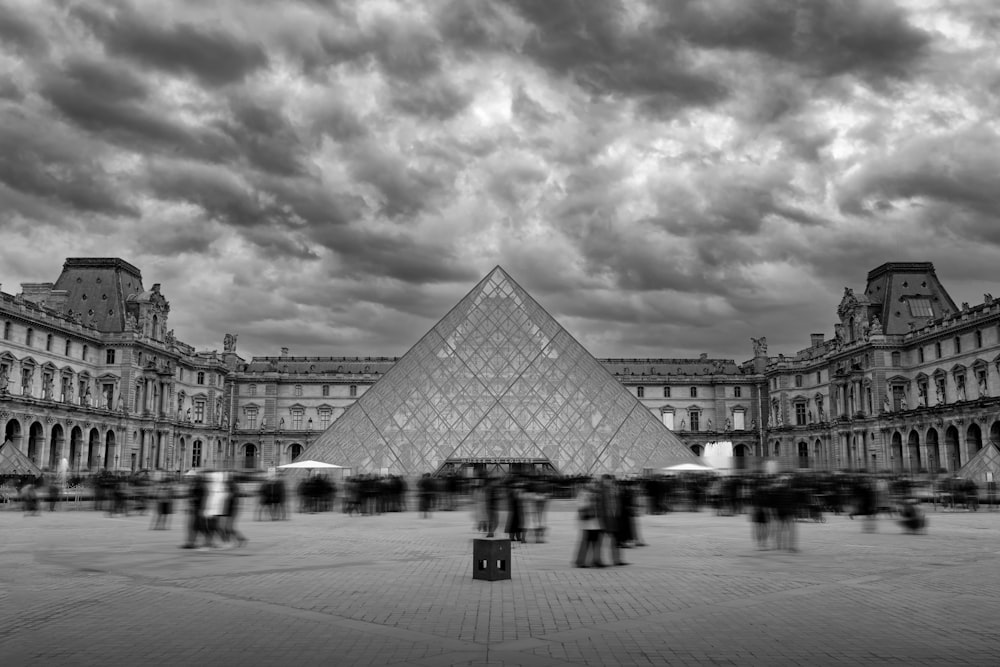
(294, 451)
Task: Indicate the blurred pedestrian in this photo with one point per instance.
(590, 528)
(232, 506)
(608, 514)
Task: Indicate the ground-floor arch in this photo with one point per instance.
(933, 450)
(896, 452)
(913, 447)
(973, 440)
(110, 450)
(36, 440)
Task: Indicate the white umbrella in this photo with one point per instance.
(688, 467)
(310, 465)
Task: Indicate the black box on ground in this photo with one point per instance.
(491, 559)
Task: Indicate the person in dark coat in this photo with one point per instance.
(229, 531)
(608, 514)
(491, 496)
(515, 513)
(197, 524)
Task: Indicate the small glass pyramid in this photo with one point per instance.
(497, 381)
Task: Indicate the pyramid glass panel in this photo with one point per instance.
(498, 380)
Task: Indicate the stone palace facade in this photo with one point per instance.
(91, 373)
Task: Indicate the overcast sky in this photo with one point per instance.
(665, 177)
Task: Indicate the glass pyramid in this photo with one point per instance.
(498, 381)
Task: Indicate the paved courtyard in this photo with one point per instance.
(78, 588)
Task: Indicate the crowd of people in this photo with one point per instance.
(607, 509)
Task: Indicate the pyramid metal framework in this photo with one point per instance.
(986, 460)
(498, 380)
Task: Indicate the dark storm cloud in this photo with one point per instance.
(399, 255)
(222, 194)
(265, 137)
(39, 164)
(958, 168)
(110, 99)
(588, 43)
(431, 99)
(20, 35)
(212, 56)
(400, 189)
(871, 39)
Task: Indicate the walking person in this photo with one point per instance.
(197, 525)
(232, 507)
(759, 514)
(164, 505)
(608, 513)
(515, 513)
(215, 506)
(492, 500)
(590, 528)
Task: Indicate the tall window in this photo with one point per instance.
(739, 420)
(695, 419)
(937, 350)
(83, 355)
(298, 390)
(896, 358)
(353, 391)
(640, 392)
(30, 336)
(668, 419)
(324, 419)
(798, 380)
(920, 354)
(979, 339)
(819, 377)
(666, 392)
(958, 345)
(694, 394)
(737, 391)
(326, 390)
(48, 343)
(201, 377)
(253, 390)
(110, 356)
(800, 414)
(199, 412)
(6, 330)
(196, 454)
(297, 419)
(251, 417)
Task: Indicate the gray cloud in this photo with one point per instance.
(20, 35)
(213, 56)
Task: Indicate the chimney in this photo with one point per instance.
(36, 292)
(284, 351)
(817, 339)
